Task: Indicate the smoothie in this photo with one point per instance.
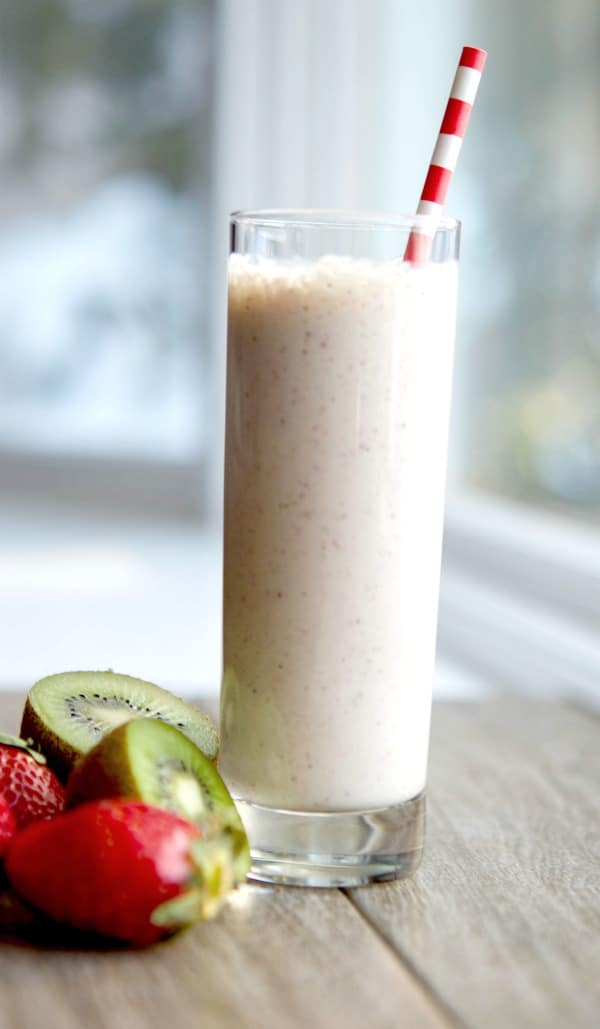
(338, 392)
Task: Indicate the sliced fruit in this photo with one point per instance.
(66, 714)
(154, 762)
(28, 786)
(122, 869)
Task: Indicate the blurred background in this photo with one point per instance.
(128, 130)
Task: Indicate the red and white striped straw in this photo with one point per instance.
(446, 151)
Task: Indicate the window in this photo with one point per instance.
(128, 130)
(105, 114)
(363, 85)
(528, 406)
(338, 104)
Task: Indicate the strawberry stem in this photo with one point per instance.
(214, 876)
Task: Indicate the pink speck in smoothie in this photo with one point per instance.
(323, 344)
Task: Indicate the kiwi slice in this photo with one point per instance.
(67, 714)
(155, 763)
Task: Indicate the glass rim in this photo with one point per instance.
(339, 218)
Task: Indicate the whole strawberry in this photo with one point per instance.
(8, 825)
(29, 787)
(121, 868)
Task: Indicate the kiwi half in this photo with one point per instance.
(154, 762)
(67, 714)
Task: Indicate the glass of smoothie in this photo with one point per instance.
(339, 370)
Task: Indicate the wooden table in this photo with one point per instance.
(500, 927)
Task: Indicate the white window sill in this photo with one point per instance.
(143, 599)
(519, 600)
(127, 594)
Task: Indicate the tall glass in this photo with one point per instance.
(339, 371)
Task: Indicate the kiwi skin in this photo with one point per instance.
(103, 772)
(61, 758)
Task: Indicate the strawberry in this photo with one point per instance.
(8, 825)
(29, 787)
(121, 868)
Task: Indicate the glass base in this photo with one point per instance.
(346, 848)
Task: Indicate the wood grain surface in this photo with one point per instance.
(503, 919)
(499, 928)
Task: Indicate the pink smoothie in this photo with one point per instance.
(338, 392)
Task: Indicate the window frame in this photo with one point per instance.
(520, 596)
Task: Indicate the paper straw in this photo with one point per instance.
(446, 151)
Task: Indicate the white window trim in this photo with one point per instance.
(157, 488)
(520, 597)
